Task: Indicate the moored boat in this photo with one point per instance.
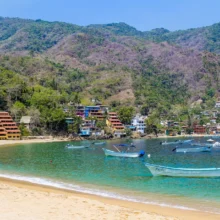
(75, 147)
(123, 154)
(99, 143)
(192, 149)
(157, 170)
(202, 144)
(176, 142)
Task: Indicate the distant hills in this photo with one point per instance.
(112, 62)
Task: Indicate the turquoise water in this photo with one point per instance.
(88, 170)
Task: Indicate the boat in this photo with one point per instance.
(123, 154)
(157, 170)
(202, 144)
(75, 147)
(99, 143)
(176, 142)
(216, 145)
(192, 149)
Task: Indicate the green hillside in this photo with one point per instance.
(45, 65)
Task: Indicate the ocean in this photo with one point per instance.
(90, 171)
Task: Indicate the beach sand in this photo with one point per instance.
(31, 141)
(25, 201)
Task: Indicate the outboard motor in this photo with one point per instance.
(141, 153)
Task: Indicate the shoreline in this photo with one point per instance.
(7, 143)
(130, 210)
(51, 140)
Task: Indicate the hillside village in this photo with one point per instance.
(99, 121)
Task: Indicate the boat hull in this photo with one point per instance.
(157, 170)
(193, 150)
(176, 142)
(99, 143)
(76, 147)
(120, 154)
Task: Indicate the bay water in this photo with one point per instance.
(90, 171)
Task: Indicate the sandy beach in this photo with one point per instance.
(22, 200)
(30, 141)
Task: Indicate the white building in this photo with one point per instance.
(139, 122)
(217, 104)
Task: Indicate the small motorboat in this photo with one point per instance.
(192, 149)
(176, 142)
(69, 146)
(216, 145)
(123, 154)
(99, 143)
(202, 144)
(157, 170)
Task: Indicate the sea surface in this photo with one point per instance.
(90, 171)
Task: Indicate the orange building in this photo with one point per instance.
(114, 123)
(197, 129)
(99, 114)
(8, 128)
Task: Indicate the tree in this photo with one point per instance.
(101, 124)
(35, 116)
(24, 130)
(126, 114)
(17, 110)
(152, 123)
(145, 110)
(77, 122)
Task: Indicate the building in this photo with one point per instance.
(99, 114)
(89, 109)
(198, 129)
(85, 131)
(87, 127)
(139, 122)
(115, 124)
(217, 104)
(26, 120)
(8, 128)
(80, 111)
(69, 121)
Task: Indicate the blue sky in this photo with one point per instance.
(142, 14)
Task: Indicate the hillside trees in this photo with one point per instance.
(125, 114)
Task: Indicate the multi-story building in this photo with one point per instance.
(198, 129)
(139, 122)
(87, 127)
(8, 128)
(80, 110)
(115, 124)
(89, 109)
(99, 114)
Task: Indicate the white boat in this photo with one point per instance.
(202, 144)
(216, 144)
(192, 149)
(99, 143)
(75, 147)
(123, 154)
(176, 142)
(157, 170)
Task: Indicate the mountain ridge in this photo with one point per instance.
(112, 62)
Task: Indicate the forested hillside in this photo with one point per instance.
(44, 65)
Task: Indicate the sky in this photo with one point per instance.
(141, 14)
